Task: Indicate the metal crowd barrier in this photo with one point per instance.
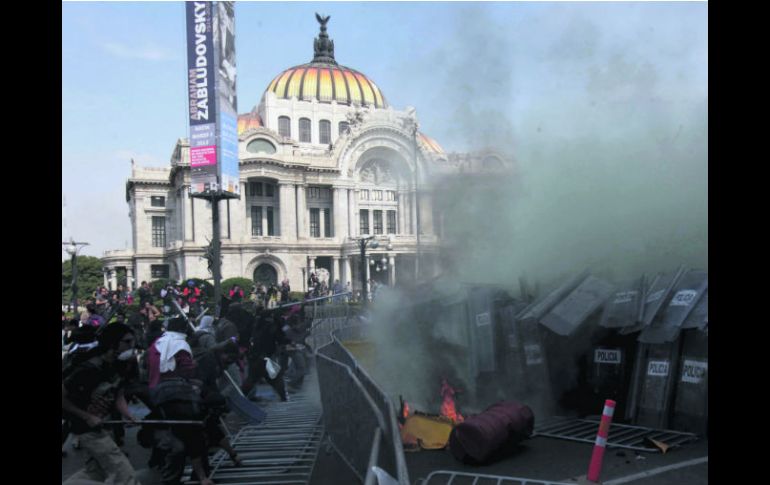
(355, 408)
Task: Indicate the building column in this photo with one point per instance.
(302, 228)
(311, 265)
(339, 211)
(392, 269)
(104, 274)
(356, 223)
(401, 229)
(336, 269)
(130, 277)
(287, 210)
(346, 272)
(370, 213)
(413, 211)
(368, 275)
(188, 216)
(113, 279)
(238, 217)
(322, 222)
(426, 213)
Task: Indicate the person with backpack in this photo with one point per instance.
(90, 391)
(175, 395)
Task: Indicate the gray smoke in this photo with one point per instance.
(610, 173)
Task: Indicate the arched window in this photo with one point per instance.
(260, 145)
(304, 130)
(344, 127)
(284, 126)
(265, 274)
(325, 132)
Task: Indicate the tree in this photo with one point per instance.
(90, 277)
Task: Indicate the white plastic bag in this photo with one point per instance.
(272, 367)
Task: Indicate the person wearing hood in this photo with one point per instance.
(89, 393)
(205, 336)
(170, 356)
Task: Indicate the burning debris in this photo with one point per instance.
(429, 431)
(448, 407)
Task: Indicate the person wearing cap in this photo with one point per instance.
(89, 393)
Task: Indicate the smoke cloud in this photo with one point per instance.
(608, 136)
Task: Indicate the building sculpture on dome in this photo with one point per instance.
(323, 160)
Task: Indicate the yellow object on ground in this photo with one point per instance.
(432, 433)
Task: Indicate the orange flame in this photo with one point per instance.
(406, 410)
(448, 408)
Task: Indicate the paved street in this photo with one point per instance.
(537, 458)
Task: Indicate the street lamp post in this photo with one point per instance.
(363, 243)
(72, 249)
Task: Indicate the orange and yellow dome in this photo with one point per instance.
(326, 82)
(248, 121)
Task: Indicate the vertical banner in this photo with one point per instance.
(212, 99)
(227, 101)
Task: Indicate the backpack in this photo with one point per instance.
(177, 399)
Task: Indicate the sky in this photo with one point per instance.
(537, 80)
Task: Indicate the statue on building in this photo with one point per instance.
(323, 46)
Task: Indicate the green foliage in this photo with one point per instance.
(244, 283)
(157, 285)
(90, 277)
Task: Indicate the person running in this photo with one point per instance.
(89, 393)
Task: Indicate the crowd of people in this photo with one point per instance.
(174, 363)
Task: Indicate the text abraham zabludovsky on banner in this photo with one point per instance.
(213, 102)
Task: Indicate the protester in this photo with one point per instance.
(145, 293)
(236, 294)
(102, 298)
(204, 337)
(89, 393)
(94, 318)
(80, 341)
(295, 330)
(192, 295)
(170, 356)
(210, 366)
(264, 342)
(285, 290)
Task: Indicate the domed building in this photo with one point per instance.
(324, 160)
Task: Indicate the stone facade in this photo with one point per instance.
(301, 203)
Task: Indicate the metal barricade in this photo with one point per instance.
(350, 415)
(358, 400)
(446, 477)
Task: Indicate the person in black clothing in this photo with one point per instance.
(89, 393)
(295, 332)
(285, 290)
(145, 293)
(81, 340)
(264, 343)
(210, 366)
